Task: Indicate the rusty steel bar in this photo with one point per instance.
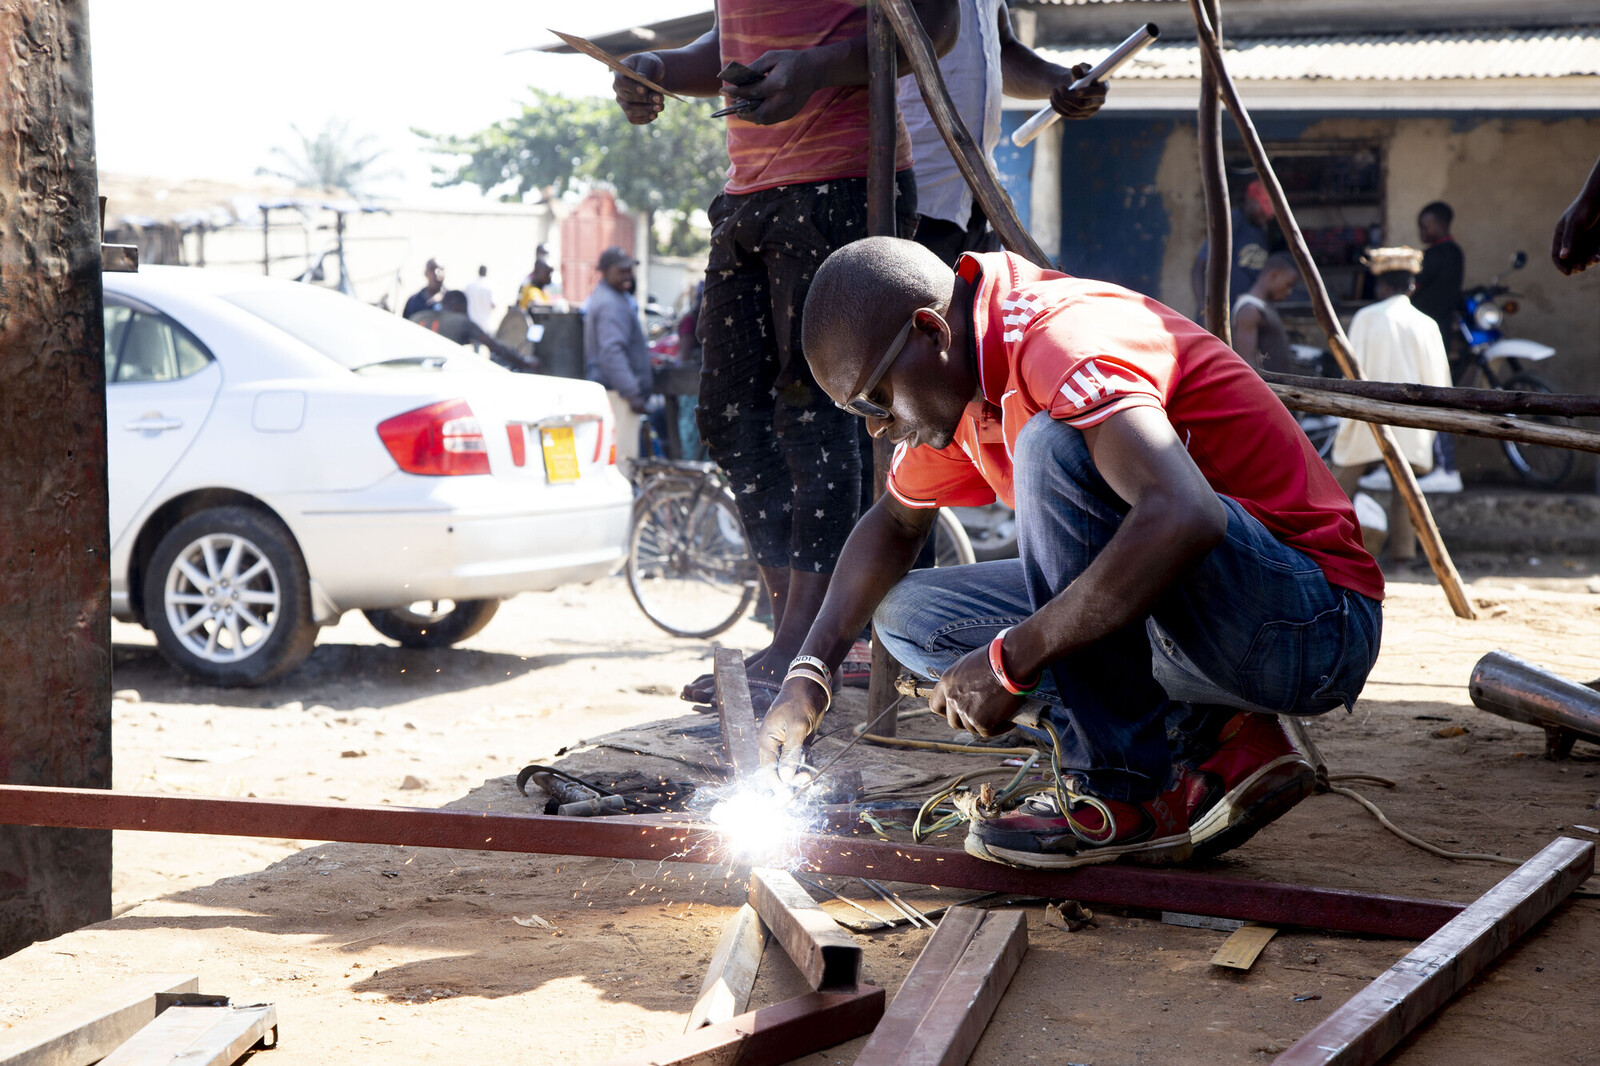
(1217, 301)
(770, 1036)
(1405, 482)
(55, 593)
(739, 734)
(1514, 688)
(827, 955)
(1125, 886)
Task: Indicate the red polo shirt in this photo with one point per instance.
(1084, 350)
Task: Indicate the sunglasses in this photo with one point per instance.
(858, 404)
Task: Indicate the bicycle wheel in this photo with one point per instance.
(689, 568)
(1540, 465)
(951, 545)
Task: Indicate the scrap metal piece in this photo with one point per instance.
(827, 955)
(199, 1036)
(769, 1036)
(1240, 950)
(89, 1029)
(1270, 903)
(1379, 1016)
(738, 717)
(1514, 688)
(732, 973)
(946, 1002)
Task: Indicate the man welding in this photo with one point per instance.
(1189, 568)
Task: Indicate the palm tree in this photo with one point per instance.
(331, 161)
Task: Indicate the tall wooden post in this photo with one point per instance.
(55, 620)
(881, 91)
(1214, 181)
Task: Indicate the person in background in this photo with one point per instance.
(1258, 333)
(428, 297)
(987, 62)
(535, 287)
(1392, 341)
(615, 352)
(453, 321)
(1438, 296)
(480, 300)
(1575, 244)
(1249, 246)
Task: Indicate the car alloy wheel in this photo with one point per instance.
(222, 597)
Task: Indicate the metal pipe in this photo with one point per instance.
(1217, 299)
(1047, 116)
(1514, 688)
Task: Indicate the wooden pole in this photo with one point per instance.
(1480, 401)
(1405, 481)
(55, 595)
(1382, 412)
(1219, 218)
(881, 130)
(969, 158)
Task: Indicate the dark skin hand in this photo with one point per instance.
(1575, 244)
(1027, 75)
(791, 75)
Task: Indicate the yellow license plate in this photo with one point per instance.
(560, 454)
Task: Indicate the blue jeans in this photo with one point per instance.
(1255, 627)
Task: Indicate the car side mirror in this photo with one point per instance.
(1519, 260)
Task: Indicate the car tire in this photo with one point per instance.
(414, 630)
(195, 571)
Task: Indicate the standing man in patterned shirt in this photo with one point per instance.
(796, 191)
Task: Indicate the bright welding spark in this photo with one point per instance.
(759, 823)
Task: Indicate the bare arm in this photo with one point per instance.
(1247, 335)
(690, 70)
(1030, 76)
(880, 551)
(1174, 520)
(1575, 245)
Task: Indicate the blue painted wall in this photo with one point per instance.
(1015, 166)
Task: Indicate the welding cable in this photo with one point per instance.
(1431, 849)
(939, 745)
(956, 817)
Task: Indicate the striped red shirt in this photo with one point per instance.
(828, 138)
(1084, 350)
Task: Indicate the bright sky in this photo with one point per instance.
(206, 88)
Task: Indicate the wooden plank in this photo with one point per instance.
(90, 1028)
(961, 1011)
(732, 973)
(932, 968)
(1483, 401)
(1379, 1016)
(738, 718)
(827, 955)
(1239, 951)
(1439, 419)
(769, 1036)
(198, 1036)
(1112, 884)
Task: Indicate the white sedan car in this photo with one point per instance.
(280, 454)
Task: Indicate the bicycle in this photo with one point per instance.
(689, 566)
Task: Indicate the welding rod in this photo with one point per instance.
(916, 916)
(1102, 70)
(842, 899)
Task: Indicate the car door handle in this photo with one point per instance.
(155, 424)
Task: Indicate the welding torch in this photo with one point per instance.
(1103, 69)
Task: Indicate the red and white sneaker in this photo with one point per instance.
(1092, 830)
(1254, 777)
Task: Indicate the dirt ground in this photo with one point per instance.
(378, 953)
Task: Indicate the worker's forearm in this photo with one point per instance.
(692, 70)
(1027, 75)
(1150, 552)
(880, 552)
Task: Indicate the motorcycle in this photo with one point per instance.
(1483, 309)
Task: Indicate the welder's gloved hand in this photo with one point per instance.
(1083, 103)
(791, 719)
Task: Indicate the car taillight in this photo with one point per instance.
(439, 440)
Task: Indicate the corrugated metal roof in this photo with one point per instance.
(1543, 53)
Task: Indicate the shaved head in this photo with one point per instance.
(861, 296)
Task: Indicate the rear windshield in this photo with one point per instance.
(344, 329)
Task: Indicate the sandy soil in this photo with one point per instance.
(374, 953)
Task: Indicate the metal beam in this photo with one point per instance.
(89, 1029)
(732, 973)
(769, 1036)
(1379, 1016)
(199, 1036)
(55, 591)
(1127, 886)
(737, 713)
(1514, 688)
(827, 955)
(946, 1002)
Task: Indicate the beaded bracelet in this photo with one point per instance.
(997, 664)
